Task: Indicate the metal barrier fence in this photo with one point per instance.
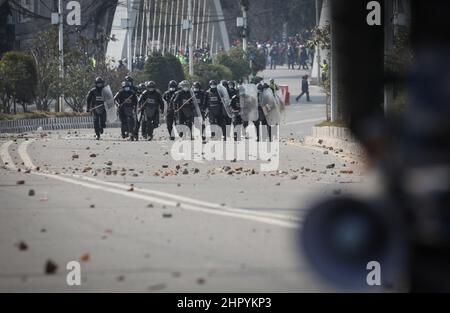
(52, 123)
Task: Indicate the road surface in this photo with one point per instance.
(139, 221)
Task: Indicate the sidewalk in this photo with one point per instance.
(337, 139)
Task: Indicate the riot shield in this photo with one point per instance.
(226, 101)
(270, 107)
(249, 102)
(197, 106)
(108, 97)
(279, 99)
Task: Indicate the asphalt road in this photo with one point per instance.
(139, 221)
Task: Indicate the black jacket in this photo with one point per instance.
(95, 99)
(168, 97)
(126, 99)
(201, 98)
(305, 85)
(183, 103)
(152, 102)
(214, 102)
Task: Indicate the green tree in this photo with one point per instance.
(162, 69)
(176, 68)
(77, 83)
(206, 72)
(5, 94)
(44, 49)
(80, 73)
(236, 61)
(19, 78)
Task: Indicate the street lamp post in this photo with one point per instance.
(245, 5)
(60, 107)
(129, 39)
(191, 39)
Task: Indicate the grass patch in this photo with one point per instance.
(38, 114)
(331, 124)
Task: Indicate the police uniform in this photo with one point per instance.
(170, 118)
(127, 100)
(216, 110)
(184, 108)
(95, 100)
(152, 104)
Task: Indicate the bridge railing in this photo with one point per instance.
(52, 123)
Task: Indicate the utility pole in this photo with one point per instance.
(191, 39)
(245, 39)
(129, 39)
(60, 107)
(245, 5)
(319, 58)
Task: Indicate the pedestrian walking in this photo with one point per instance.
(305, 89)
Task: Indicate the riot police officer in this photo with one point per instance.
(130, 81)
(127, 100)
(168, 97)
(140, 90)
(184, 106)
(227, 119)
(235, 106)
(235, 102)
(151, 104)
(96, 105)
(201, 99)
(215, 107)
(262, 117)
(232, 89)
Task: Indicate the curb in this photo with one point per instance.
(337, 138)
(48, 124)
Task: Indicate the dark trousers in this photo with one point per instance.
(152, 123)
(291, 63)
(144, 127)
(127, 120)
(227, 121)
(302, 94)
(99, 122)
(123, 123)
(273, 63)
(185, 121)
(258, 125)
(218, 119)
(262, 121)
(170, 120)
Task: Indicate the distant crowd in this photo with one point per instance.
(294, 52)
(201, 54)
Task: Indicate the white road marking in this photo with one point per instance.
(4, 154)
(184, 203)
(170, 203)
(24, 155)
(186, 199)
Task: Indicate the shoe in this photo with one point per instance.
(172, 138)
(98, 137)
